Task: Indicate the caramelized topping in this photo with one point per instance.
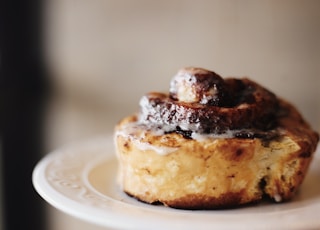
(201, 101)
(196, 85)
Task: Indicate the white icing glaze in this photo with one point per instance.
(277, 198)
(130, 131)
(146, 109)
(203, 137)
(136, 132)
(183, 86)
(159, 150)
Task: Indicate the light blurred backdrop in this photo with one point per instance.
(103, 55)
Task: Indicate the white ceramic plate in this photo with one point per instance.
(81, 181)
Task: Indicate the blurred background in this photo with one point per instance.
(72, 68)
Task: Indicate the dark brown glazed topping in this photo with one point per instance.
(203, 102)
(200, 86)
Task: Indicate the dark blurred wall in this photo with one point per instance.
(23, 92)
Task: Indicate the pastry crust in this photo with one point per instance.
(214, 170)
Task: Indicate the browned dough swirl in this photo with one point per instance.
(229, 104)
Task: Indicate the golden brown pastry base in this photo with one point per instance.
(214, 173)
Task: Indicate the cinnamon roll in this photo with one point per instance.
(213, 143)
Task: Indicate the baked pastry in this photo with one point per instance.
(213, 143)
